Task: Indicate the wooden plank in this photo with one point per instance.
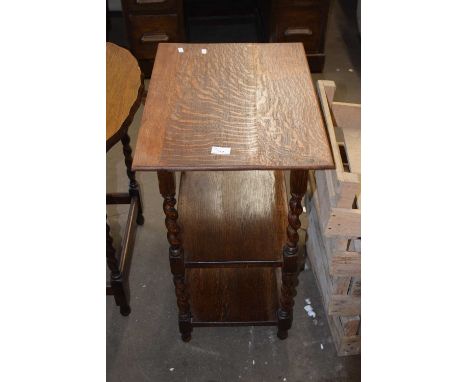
(341, 261)
(329, 124)
(250, 201)
(330, 89)
(355, 289)
(344, 305)
(118, 198)
(336, 331)
(347, 115)
(343, 222)
(337, 243)
(331, 189)
(349, 186)
(233, 296)
(334, 221)
(352, 138)
(316, 253)
(256, 99)
(329, 244)
(312, 186)
(346, 263)
(342, 190)
(345, 345)
(340, 285)
(350, 346)
(322, 200)
(350, 325)
(334, 245)
(355, 245)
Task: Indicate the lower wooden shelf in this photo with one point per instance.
(233, 218)
(233, 296)
(233, 228)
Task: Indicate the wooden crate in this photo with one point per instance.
(341, 294)
(346, 333)
(339, 190)
(334, 232)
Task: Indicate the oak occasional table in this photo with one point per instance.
(124, 90)
(231, 118)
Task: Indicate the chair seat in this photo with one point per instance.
(124, 87)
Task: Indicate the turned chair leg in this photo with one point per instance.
(134, 187)
(119, 287)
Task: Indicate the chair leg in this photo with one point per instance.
(112, 262)
(119, 287)
(121, 296)
(134, 187)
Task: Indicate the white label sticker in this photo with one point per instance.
(181, 50)
(220, 150)
(203, 51)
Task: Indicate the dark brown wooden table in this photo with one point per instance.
(232, 118)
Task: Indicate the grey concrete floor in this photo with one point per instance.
(343, 52)
(146, 345)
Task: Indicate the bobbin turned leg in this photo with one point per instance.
(167, 188)
(134, 187)
(298, 184)
(119, 288)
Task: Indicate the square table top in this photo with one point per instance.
(231, 107)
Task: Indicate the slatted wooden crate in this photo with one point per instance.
(334, 233)
(341, 294)
(339, 189)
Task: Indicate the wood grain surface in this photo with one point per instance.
(232, 218)
(257, 99)
(233, 296)
(123, 83)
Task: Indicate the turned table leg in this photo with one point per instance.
(167, 188)
(119, 289)
(134, 187)
(298, 184)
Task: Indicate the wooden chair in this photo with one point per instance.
(124, 91)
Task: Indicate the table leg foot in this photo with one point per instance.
(282, 334)
(121, 295)
(186, 337)
(185, 327)
(140, 219)
(125, 310)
